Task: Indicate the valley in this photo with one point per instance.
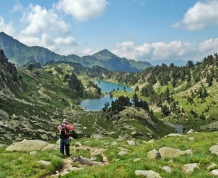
(35, 98)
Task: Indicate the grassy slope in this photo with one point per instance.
(125, 166)
(22, 165)
(207, 107)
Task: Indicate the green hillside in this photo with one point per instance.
(45, 95)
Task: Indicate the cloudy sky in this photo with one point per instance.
(143, 30)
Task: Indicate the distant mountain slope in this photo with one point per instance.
(35, 99)
(8, 76)
(21, 54)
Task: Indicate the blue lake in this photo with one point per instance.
(108, 86)
(98, 103)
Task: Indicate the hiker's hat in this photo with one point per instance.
(65, 121)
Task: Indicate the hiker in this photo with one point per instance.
(65, 128)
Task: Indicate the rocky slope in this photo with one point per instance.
(8, 76)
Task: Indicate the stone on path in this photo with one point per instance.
(148, 174)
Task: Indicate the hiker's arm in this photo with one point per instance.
(70, 127)
(59, 128)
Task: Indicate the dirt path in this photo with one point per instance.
(70, 162)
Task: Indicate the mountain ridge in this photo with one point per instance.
(20, 54)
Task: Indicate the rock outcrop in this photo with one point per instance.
(31, 145)
(3, 115)
(167, 152)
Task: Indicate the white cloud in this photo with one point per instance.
(60, 45)
(17, 7)
(7, 28)
(209, 46)
(44, 28)
(154, 51)
(173, 49)
(83, 9)
(87, 51)
(200, 16)
(176, 25)
(69, 40)
(39, 20)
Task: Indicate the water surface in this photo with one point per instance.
(98, 103)
(108, 86)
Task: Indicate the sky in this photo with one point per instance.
(143, 30)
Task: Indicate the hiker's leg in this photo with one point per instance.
(67, 147)
(62, 146)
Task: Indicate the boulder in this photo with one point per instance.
(191, 131)
(153, 154)
(78, 144)
(148, 174)
(124, 137)
(137, 159)
(214, 172)
(50, 147)
(188, 168)
(33, 153)
(174, 135)
(167, 169)
(191, 138)
(167, 152)
(214, 150)
(46, 163)
(3, 115)
(2, 145)
(44, 137)
(114, 143)
(211, 166)
(121, 153)
(131, 142)
(96, 136)
(31, 145)
(151, 141)
(97, 151)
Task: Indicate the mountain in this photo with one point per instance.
(20, 54)
(104, 55)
